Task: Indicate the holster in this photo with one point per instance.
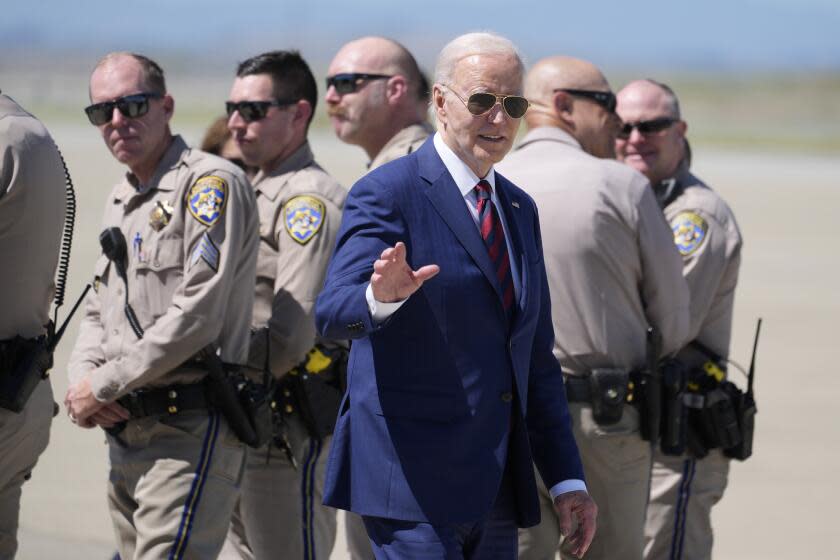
(313, 390)
(647, 391)
(673, 432)
(721, 416)
(23, 364)
(244, 403)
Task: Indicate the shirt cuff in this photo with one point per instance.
(570, 485)
(380, 311)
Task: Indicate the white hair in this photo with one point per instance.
(471, 44)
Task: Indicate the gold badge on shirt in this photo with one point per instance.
(160, 214)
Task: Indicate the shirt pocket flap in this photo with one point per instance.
(163, 254)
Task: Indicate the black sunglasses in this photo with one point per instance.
(251, 111)
(482, 102)
(351, 82)
(645, 127)
(605, 99)
(131, 106)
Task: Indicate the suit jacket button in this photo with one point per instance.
(507, 397)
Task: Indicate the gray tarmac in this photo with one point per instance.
(780, 503)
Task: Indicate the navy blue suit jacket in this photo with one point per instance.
(438, 391)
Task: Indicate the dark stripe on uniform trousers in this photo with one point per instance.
(197, 486)
(680, 514)
(307, 495)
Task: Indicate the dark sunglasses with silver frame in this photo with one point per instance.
(350, 82)
(130, 106)
(605, 99)
(482, 102)
(251, 111)
(646, 127)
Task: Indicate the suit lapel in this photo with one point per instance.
(446, 199)
(512, 209)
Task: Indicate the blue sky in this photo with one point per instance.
(716, 35)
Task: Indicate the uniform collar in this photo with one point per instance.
(463, 176)
(300, 159)
(668, 190)
(551, 133)
(171, 159)
(410, 134)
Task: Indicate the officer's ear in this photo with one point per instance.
(395, 89)
(168, 106)
(681, 127)
(563, 107)
(562, 103)
(303, 110)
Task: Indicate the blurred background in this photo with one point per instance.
(759, 84)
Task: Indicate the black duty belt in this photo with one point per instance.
(578, 389)
(165, 400)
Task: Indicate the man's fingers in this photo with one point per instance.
(387, 254)
(425, 272)
(399, 251)
(586, 513)
(564, 513)
(112, 413)
(122, 412)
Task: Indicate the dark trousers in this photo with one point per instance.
(493, 537)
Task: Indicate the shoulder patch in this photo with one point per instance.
(303, 217)
(689, 232)
(206, 199)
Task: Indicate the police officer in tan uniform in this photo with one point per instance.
(612, 273)
(191, 225)
(31, 217)
(377, 99)
(684, 488)
(271, 104)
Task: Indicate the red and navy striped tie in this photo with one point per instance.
(494, 238)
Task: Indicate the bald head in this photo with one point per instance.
(562, 72)
(375, 108)
(587, 119)
(380, 55)
(150, 71)
(654, 96)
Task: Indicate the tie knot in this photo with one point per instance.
(482, 189)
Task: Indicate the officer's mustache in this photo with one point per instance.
(336, 112)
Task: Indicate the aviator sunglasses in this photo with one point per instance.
(130, 106)
(251, 111)
(605, 99)
(645, 127)
(482, 102)
(351, 82)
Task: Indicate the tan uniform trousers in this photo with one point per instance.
(280, 512)
(358, 542)
(617, 466)
(173, 485)
(23, 437)
(682, 493)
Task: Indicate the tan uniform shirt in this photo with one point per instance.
(402, 143)
(32, 205)
(300, 211)
(192, 237)
(611, 263)
(708, 238)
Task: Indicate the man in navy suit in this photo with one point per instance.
(453, 390)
